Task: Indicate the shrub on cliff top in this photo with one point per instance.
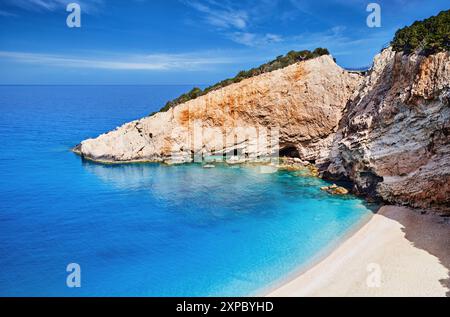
(425, 37)
(281, 61)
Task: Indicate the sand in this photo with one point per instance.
(398, 252)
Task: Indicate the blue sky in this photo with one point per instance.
(185, 41)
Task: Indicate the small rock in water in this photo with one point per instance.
(208, 166)
(335, 190)
(340, 191)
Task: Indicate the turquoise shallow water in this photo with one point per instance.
(144, 229)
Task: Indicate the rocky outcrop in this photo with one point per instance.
(387, 133)
(393, 141)
(299, 106)
(335, 190)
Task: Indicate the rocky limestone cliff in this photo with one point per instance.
(302, 102)
(393, 141)
(387, 133)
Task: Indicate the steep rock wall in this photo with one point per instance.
(393, 141)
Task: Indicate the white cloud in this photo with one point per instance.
(161, 62)
(255, 39)
(89, 6)
(221, 16)
(4, 13)
(235, 20)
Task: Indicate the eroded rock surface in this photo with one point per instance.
(303, 102)
(387, 132)
(393, 141)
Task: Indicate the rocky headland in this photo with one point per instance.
(303, 102)
(385, 132)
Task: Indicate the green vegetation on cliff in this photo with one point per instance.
(280, 62)
(426, 37)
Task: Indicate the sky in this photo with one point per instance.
(186, 41)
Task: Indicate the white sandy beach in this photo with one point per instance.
(399, 252)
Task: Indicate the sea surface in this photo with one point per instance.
(144, 229)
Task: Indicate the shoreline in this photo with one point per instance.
(380, 242)
(397, 252)
(315, 260)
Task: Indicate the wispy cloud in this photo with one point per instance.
(220, 15)
(234, 20)
(88, 6)
(255, 39)
(4, 13)
(150, 62)
(332, 36)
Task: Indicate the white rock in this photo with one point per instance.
(304, 101)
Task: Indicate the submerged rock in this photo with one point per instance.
(335, 190)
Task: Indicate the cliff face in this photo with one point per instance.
(393, 141)
(387, 133)
(303, 103)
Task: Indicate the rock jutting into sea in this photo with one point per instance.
(303, 103)
(385, 132)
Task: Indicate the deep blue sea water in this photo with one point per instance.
(144, 229)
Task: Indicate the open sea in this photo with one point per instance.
(145, 229)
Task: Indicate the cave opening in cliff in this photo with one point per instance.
(289, 151)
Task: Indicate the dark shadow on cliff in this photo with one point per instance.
(428, 231)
